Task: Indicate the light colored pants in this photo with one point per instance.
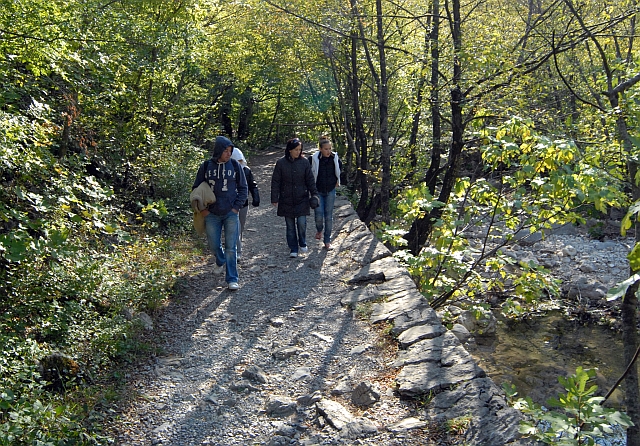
(242, 217)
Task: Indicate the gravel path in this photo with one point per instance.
(286, 332)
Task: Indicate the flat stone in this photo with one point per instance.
(280, 406)
(387, 266)
(461, 332)
(406, 424)
(359, 349)
(309, 399)
(359, 428)
(364, 247)
(389, 310)
(301, 373)
(255, 373)
(344, 211)
(335, 413)
(364, 294)
(428, 350)
(286, 352)
(341, 388)
(494, 423)
(419, 316)
(377, 291)
(325, 338)
(420, 332)
(242, 385)
(365, 395)
(418, 379)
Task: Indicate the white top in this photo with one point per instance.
(315, 165)
(237, 155)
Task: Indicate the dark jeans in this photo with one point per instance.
(297, 237)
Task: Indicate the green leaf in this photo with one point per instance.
(620, 289)
(626, 222)
(634, 258)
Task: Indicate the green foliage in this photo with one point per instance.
(458, 425)
(580, 418)
(532, 182)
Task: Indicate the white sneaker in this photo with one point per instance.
(293, 254)
(233, 285)
(218, 269)
(304, 249)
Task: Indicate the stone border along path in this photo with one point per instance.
(285, 359)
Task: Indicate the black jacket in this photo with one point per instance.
(253, 188)
(291, 185)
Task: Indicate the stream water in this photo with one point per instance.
(532, 354)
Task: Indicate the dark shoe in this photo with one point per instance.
(318, 235)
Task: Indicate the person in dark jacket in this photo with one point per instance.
(255, 202)
(326, 167)
(227, 181)
(291, 184)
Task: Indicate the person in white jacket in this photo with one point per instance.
(326, 168)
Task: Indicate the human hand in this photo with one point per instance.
(275, 204)
(204, 212)
(235, 211)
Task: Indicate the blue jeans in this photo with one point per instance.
(227, 256)
(324, 214)
(299, 237)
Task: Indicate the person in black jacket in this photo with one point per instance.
(291, 184)
(255, 202)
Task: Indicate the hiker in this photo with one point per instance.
(237, 155)
(291, 184)
(229, 185)
(326, 167)
(255, 202)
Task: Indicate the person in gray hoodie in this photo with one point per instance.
(227, 181)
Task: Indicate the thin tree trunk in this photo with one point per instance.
(360, 134)
(431, 176)
(275, 117)
(383, 105)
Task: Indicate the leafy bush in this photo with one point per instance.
(581, 418)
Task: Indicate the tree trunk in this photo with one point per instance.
(225, 113)
(246, 112)
(629, 307)
(422, 227)
(360, 134)
(275, 118)
(383, 106)
(431, 176)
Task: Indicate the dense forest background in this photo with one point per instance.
(510, 115)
